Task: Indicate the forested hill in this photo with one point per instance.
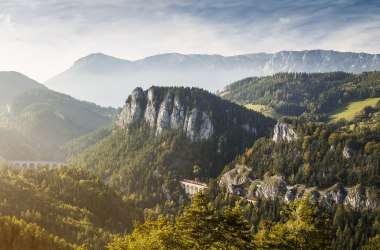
(198, 113)
(35, 121)
(12, 83)
(67, 202)
(310, 95)
(170, 133)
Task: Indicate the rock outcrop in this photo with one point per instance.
(284, 131)
(163, 114)
(360, 197)
(239, 181)
(235, 179)
(347, 152)
(194, 111)
(269, 188)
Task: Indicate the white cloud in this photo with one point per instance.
(284, 20)
(5, 19)
(41, 38)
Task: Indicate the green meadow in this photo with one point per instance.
(349, 111)
(264, 109)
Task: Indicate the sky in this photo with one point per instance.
(41, 38)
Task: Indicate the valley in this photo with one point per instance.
(80, 175)
(36, 121)
(189, 125)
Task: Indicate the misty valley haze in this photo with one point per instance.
(189, 125)
(110, 78)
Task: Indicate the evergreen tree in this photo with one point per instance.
(302, 227)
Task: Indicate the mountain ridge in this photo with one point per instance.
(35, 121)
(105, 74)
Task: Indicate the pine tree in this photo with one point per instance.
(302, 228)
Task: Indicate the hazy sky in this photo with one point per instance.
(41, 38)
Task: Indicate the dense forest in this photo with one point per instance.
(17, 234)
(67, 202)
(121, 189)
(141, 164)
(323, 155)
(310, 95)
(223, 223)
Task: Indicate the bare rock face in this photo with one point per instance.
(132, 110)
(177, 118)
(270, 188)
(239, 181)
(163, 118)
(360, 197)
(290, 195)
(284, 131)
(335, 194)
(150, 115)
(233, 179)
(170, 113)
(347, 152)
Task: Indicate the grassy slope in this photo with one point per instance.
(264, 109)
(349, 111)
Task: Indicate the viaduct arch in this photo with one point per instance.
(35, 164)
(191, 187)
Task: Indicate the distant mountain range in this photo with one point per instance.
(35, 121)
(106, 80)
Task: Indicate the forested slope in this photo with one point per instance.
(310, 95)
(67, 202)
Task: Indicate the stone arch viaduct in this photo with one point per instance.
(35, 164)
(191, 187)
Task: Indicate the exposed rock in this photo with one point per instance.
(334, 194)
(284, 131)
(196, 124)
(347, 152)
(234, 178)
(150, 115)
(207, 129)
(190, 123)
(132, 111)
(177, 118)
(270, 188)
(360, 197)
(239, 181)
(290, 194)
(163, 118)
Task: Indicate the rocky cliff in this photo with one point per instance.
(168, 113)
(274, 187)
(199, 114)
(284, 131)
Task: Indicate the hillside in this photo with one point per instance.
(110, 78)
(170, 133)
(67, 202)
(13, 83)
(36, 121)
(17, 234)
(312, 96)
(353, 109)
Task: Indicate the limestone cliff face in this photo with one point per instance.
(284, 131)
(236, 182)
(236, 178)
(132, 110)
(167, 113)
